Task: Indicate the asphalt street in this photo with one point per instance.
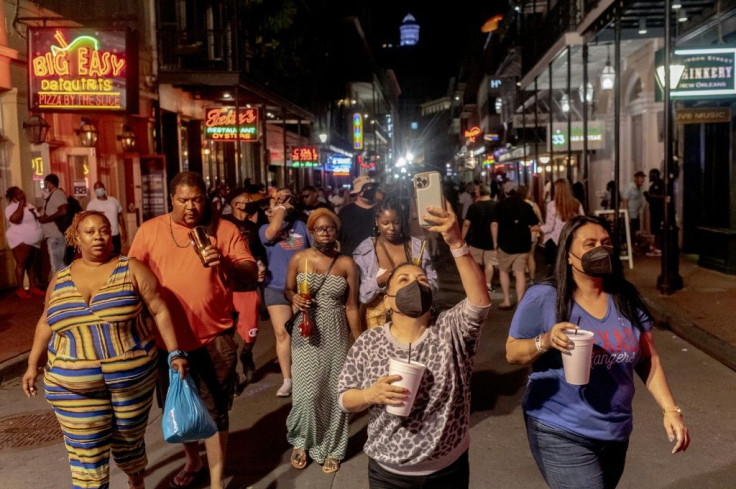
(499, 455)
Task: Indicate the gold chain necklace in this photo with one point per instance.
(171, 229)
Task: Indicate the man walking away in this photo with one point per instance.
(357, 218)
(477, 232)
(53, 209)
(512, 223)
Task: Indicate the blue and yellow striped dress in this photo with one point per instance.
(100, 375)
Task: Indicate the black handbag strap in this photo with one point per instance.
(327, 274)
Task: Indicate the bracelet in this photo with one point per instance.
(461, 251)
(673, 409)
(538, 343)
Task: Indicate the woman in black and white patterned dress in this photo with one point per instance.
(316, 425)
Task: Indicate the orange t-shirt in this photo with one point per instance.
(198, 297)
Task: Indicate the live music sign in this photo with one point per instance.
(220, 124)
(81, 69)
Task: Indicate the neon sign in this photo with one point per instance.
(357, 131)
(80, 70)
(220, 124)
(304, 155)
(473, 133)
(339, 165)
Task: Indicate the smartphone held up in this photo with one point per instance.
(428, 191)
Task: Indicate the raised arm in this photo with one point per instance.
(444, 221)
(149, 290)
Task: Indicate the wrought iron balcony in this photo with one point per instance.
(195, 50)
(563, 17)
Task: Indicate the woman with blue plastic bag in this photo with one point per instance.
(101, 354)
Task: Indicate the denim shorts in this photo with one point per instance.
(273, 297)
(571, 461)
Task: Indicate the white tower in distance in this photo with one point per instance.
(409, 31)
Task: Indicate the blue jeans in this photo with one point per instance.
(57, 248)
(454, 476)
(569, 461)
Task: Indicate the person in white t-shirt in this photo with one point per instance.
(24, 236)
(112, 209)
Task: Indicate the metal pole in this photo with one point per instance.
(523, 126)
(617, 129)
(237, 173)
(536, 122)
(585, 126)
(549, 122)
(568, 163)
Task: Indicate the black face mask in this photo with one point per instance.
(325, 247)
(596, 262)
(369, 193)
(413, 300)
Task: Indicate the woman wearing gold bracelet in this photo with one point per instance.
(579, 434)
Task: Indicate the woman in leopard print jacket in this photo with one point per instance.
(429, 447)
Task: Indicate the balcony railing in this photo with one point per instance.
(563, 17)
(195, 50)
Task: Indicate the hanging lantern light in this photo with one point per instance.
(608, 75)
(36, 129)
(586, 92)
(565, 103)
(87, 134)
(127, 139)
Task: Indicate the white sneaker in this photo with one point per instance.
(285, 389)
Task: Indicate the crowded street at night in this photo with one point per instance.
(367, 244)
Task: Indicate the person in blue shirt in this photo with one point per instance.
(579, 435)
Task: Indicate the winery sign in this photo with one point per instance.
(81, 69)
(699, 73)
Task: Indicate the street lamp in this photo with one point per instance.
(585, 92)
(608, 75)
(565, 103)
(127, 139)
(36, 129)
(322, 137)
(87, 134)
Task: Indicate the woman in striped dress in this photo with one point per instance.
(100, 354)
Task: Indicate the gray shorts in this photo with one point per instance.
(273, 297)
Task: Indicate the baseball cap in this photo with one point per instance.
(359, 183)
(510, 186)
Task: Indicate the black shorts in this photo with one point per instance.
(212, 368)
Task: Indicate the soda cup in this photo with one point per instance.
(201, 240)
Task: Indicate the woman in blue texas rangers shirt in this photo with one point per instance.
(579, 435)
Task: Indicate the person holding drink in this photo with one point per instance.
(428, 447)
(195, 266)
(579, 434)
(323, 285)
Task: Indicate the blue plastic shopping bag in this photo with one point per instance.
(185, 415)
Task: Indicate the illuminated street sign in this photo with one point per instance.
(79, 69)
(304, 156)
(357, 131)
(704, 73)
(220, 125)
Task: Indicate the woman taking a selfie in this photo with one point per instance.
(100, 354)
(378, 256)
(316, 425)
(579, 434)
(427, 448)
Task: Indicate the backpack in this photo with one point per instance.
(72, 207)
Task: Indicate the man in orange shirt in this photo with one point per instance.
(196, 292)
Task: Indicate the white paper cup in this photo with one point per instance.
(411, 378)
(577, 362)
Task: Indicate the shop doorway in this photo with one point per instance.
(706, 170)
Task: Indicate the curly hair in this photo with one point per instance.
(10, 194)
(71, 234)
(322, 212)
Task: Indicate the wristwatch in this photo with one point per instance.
(176, 354)
(461, 251)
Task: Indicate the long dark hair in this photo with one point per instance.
(625, 295)
(392, 204)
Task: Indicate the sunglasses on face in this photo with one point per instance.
(325, 229)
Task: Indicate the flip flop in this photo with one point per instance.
(331, 465)
(190, 477)
(298, 458)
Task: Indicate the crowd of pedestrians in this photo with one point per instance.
(347, 293)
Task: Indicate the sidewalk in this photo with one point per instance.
(698, 313)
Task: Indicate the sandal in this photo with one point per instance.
(186, 478)
(298, 458)
(331, 465)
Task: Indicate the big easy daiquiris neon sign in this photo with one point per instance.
(80, 69)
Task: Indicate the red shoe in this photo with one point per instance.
(37, 292)
(23, 294)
